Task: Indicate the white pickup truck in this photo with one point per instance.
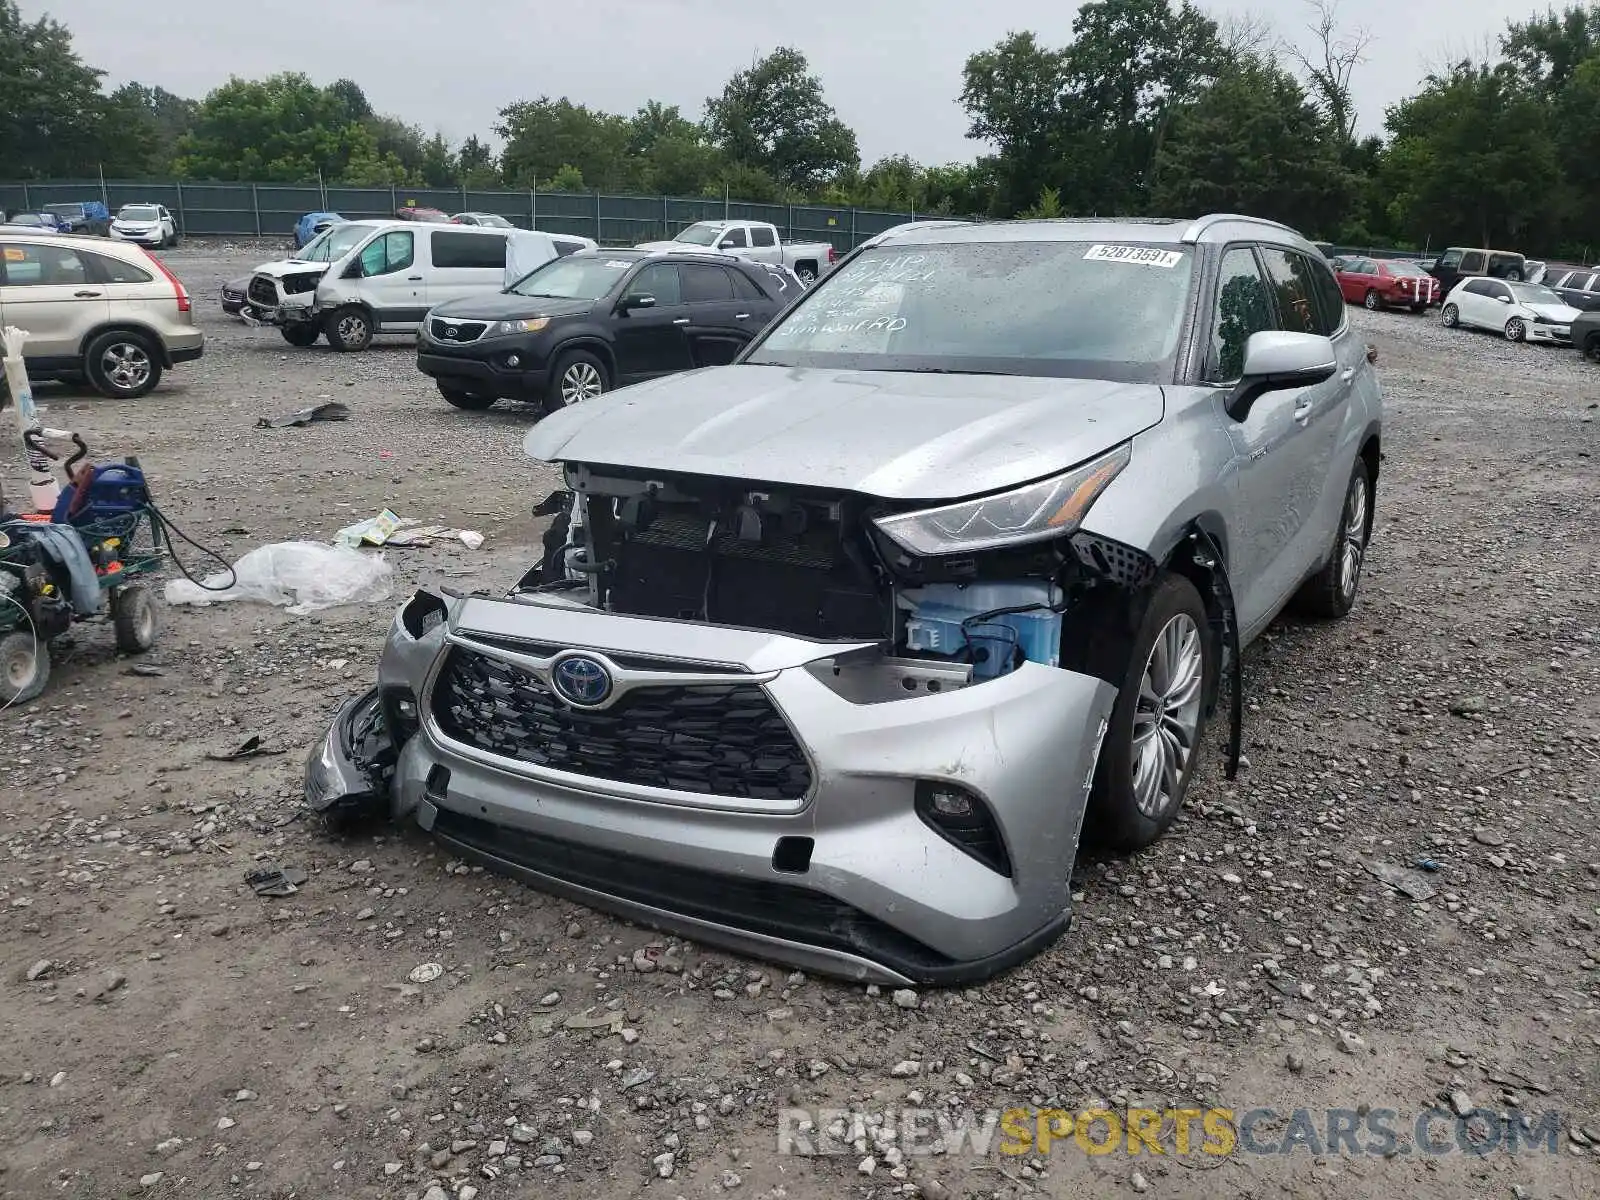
(759, 242)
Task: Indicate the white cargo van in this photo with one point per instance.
(369, 277)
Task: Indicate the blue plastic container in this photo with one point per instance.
(948, 619)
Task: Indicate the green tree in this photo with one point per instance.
(1046, 208)
(1547, 51)
(146, 123)
(1253, 143)
(477, 164)
(440, 166)
(774, 117)
(282, 128)
(567, 179)
(542, 136)
(1014, 95)
(52, 112)
(1472, 158)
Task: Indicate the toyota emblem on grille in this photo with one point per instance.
(581, 681)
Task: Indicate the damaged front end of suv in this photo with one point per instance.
(832, 651)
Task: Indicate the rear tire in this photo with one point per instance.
(1591, 348)
(350, 329)
(1419, 309)
(1450, 318)
(300, 335)
(1158, 722)
(133, 615)
(806, 273)
(24, 667)
(123, 366)
(1331, 592)
(458, 398)
(1372, 300)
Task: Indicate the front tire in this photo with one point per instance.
(123, 366)
(578, 376)
(1516, 330)
(1450, 317)
(350, 329)
(460, 398)
(1372, 300)
(1157, 723)
(24, 667)
(133, 615)
(300, 335)
(1331, 592)
(1591, 348)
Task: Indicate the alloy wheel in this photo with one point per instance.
(1167, 715)
(126, 365)
(1516, 331)
(352, 329)
(1353, 542)
(581, 381)
(1373, 302)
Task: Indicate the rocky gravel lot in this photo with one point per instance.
(168, 1033)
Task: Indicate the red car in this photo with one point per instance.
(1387, 284)
(431, 216)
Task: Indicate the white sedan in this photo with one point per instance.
(1523, 312)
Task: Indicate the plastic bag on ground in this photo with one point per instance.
(305, 576)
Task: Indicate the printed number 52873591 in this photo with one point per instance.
(1143, 256)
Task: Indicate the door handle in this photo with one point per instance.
(681, 321)
(741, 316)
(1302, 411)
(88, 295)
(1349, 374)
(413, 278)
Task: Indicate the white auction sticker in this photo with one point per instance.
(1144, 256)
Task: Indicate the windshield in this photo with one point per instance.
(27, 219)
(1065, 309)
(65, 210)
(333, 243)
(703, 234)
(137, 212)
(1405, 268)
(576, 277)
(1529, 293)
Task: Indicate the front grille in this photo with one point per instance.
(724, 740)
(779, 910)
(462, 331)
(263, 291)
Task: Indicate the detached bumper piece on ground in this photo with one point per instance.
(808, 801)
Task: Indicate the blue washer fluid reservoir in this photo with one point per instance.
(949, 619)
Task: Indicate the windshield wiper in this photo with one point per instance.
(939, 371)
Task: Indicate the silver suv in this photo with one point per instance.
(96, 309)
(838, 648)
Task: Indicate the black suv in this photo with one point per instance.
(598, 320)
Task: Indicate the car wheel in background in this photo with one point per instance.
(1419, 309)
(122, 365)
(1372, 300)
(1591, 348)
(133, 614)
(806, 274)
(1153, 740)
(578, 376)
(1513, 276)
(1451, 316)
(1331, 592)
(1516, 330)
(305, 334)
(349, 329)
(24, 667)
(461, 398)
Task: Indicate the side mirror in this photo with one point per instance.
(637, 300)
(727, 244)
(353, 271)
(1275, 361)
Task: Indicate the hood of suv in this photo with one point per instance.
(503, 307)
(896, 435)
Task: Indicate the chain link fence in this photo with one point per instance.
(271, 209)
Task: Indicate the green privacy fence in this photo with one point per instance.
(271, 209)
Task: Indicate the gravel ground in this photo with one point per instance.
(166, 1032)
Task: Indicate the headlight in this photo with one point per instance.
(502, 328)
(1051, 508)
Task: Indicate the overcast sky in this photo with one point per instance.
(892, 68)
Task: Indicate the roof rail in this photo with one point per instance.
(1192, 234)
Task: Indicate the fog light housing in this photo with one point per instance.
(963, 820)
(513, 360)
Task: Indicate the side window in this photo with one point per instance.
(1479, 287)
(1291, 281)
(736, 236)
(659, 280)
(1242, 309)
(392, 252)
(43, 266)
(565, 247)
(1472, 262)
(744, 287)
(1329, 299)
(1580, 281)
(761, 236)
(1451, 259)
(478, 250)
(113, 270)
(704, 285)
